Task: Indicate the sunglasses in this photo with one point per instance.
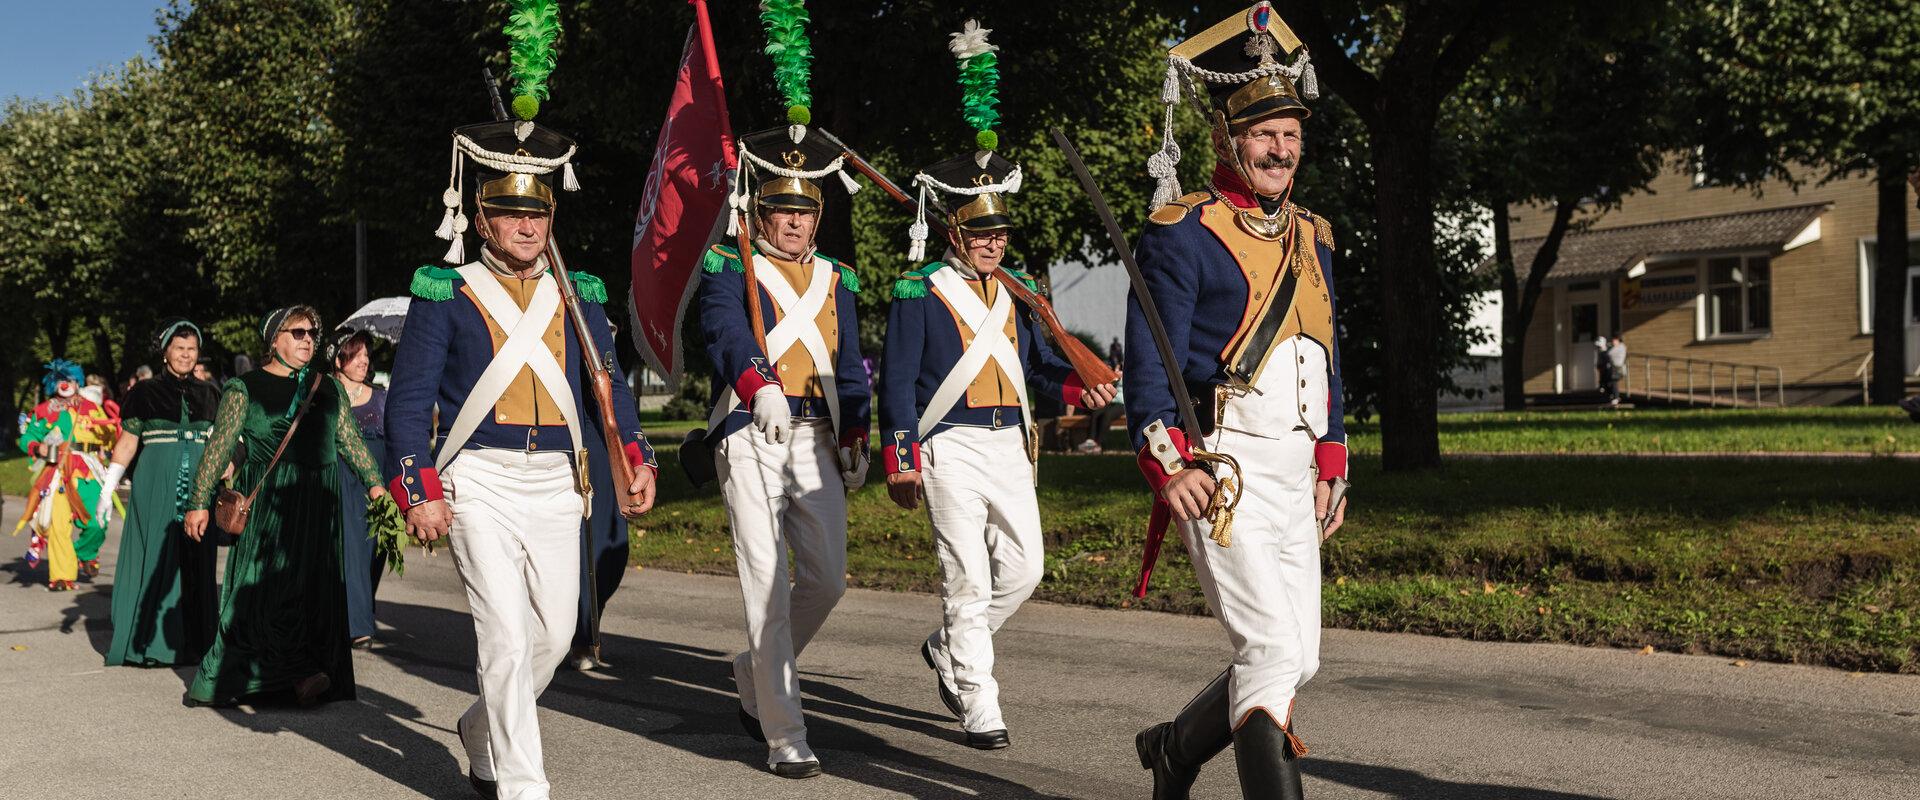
(301, 333)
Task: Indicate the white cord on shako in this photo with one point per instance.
(454, 222)
(917, 232)
(741, 200)
(1161, 164)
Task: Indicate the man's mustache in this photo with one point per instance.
(1275, 162)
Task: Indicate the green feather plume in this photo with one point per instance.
(531, 31)
(792, 54)
(979, 82)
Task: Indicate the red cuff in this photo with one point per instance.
(1156, 475)
(1073, 390)
(415, 487)
(1331, 457)
(33, 449)
(754, 379)
(855, 439)
(903, 456)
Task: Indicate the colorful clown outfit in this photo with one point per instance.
(60, 437)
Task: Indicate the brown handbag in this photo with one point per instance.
(230, 508)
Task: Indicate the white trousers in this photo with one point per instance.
(986, 531)
(780, 496)
(1265, 588)
(516, 542)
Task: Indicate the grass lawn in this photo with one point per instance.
(1852, 429)
(1811, 563)
(16, 478)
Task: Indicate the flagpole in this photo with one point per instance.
(705, 25)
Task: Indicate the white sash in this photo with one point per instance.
(797, 324)
(524, 347)
(988, 343)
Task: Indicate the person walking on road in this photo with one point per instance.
(1244, 283)
(957, 426)
(500, 467)
(164, 597)
(352, 363)
(283, 607)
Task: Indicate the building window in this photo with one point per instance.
(1867, 260)
(1739, 299)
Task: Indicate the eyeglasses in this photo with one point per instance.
(301, 333)
(990, 238)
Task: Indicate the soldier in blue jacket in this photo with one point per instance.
(789, 427)
(490, 369)
(1244, 283)
(957, 430)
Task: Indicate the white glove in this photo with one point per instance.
(103, 511)
(855, 476)
(770, 414)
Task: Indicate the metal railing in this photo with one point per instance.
(1699, 381)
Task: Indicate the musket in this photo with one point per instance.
(1225, 496)
(599, 370)
(1092, 369)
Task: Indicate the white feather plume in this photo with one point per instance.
(971, 41)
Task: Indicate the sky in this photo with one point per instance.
(53, 46)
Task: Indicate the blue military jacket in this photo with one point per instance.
(1206, 297)
(924, 344)
(448, 343)
(740, 362)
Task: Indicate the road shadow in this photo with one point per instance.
(1411, 785)
(683, 697)
(373, 731)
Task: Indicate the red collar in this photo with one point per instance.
(1229, 184)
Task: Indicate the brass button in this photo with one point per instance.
(1256, 295)
(413, 498)
(783, 368)
(503, 416)
(1303, 408)
(1243, 254)
(1256, 273)
(903, 451)
(536, 431)
(409, 479)
(536, 445)
(407, 461)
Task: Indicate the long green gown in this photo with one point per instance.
(164, 600)
(283, 608)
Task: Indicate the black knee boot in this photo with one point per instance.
(1269, 759)
(1176, 750)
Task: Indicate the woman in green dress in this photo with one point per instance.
(163, 586)
(283, 608)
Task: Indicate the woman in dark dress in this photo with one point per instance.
(352, 364)
(283, 608)
(164, 599)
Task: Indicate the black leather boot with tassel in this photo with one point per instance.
(1269, 759)
(1176, 750)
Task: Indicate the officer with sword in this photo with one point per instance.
(1244, 446)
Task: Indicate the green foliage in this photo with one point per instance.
(388, 530)
(531, 32)
(792, 53)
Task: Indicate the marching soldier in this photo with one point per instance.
(495, 346)
(1244, 283)
(789, 427)
(956, 422)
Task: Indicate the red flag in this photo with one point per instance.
(685, 193)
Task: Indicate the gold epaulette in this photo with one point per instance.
(1322, 230)
(1177, 210)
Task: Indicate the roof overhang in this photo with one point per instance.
(1630, 249)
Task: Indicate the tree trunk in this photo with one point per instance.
(1513, 327)
(1409, 284)
(1890, 284)
(57, 329)
(108, 366)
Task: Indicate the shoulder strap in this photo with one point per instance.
(294, 426)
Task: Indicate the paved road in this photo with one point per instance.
(1390, 716)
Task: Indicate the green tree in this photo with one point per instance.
(1573, 124)
(1824, 83)
(1396, 64)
